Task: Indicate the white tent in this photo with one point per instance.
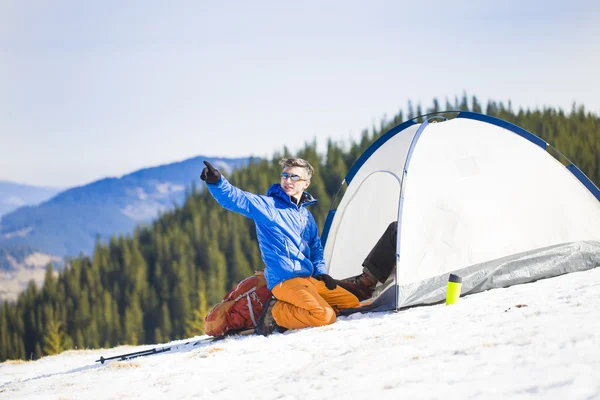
(473, 195)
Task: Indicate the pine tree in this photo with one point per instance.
(50, 291)
(133, 323)
(239, 267)
(158, 337)
(54, 338)
(5, 349)
(180, 301)
(217, 274)
(38, 352)
(19, 347)
(165, 323)
(195, 325)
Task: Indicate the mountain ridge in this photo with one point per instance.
(67, 224)
(14, 195)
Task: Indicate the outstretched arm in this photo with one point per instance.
(233, 198)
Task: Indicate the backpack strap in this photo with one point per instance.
(247, 294)
(251, 310)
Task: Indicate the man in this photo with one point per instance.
(291, 249)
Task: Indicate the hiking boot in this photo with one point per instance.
(362, 286)
(266, 323)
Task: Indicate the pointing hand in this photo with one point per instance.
(210, 174)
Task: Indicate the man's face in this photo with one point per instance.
(291, 187)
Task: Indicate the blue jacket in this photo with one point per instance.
(288, 236)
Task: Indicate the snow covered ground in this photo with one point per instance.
(539, 340)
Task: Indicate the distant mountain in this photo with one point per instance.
(68, 223)
(15, 195)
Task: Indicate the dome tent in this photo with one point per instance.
(473, 195)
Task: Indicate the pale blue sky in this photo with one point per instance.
(95, 89)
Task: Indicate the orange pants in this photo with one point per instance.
(305, 302)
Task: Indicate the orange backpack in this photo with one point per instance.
(240, 308)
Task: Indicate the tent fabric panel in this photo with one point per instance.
(373, 148)
(376, 158)
(362, 226)
(585, 180)
(369, 204)
(403, 186)
(534, 139)
(504, 124)
(516, 269)
(476, 192)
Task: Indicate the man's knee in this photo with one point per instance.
(323, 317)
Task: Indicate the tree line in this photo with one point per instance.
(158, 283)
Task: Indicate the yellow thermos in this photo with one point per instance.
(453, 291)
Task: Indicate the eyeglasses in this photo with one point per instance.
(293, 177)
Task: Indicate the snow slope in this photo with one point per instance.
(539, 340)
